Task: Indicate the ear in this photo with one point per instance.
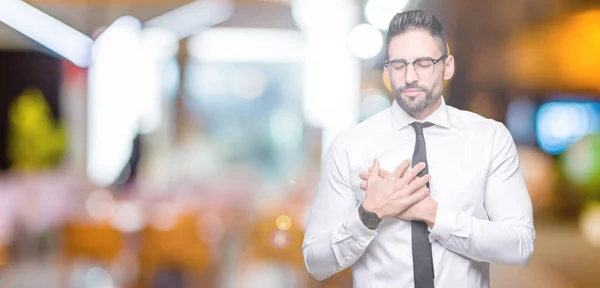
(449, 67)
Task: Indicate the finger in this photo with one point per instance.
(384, 173)
(419, 195)
(363, 185)
(412, 173)
(401, 169)
(419, 182)
(364, 175)
(374, 172)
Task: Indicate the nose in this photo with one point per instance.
(411, 74)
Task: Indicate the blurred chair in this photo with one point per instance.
(176, 256)
(272, 253)
(340, 280)
(95, 241)
(3, 255)
(270, 244)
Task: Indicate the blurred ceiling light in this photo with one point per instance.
(194, 17)
(380, 12)
(328, 62)
(46, 30)
(125, 85)
(365, 41)
(125, 30)
(330, 15)
(113, 116)
(247, 45)
(156, 47)
(159, 42)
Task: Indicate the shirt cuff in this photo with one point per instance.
(448, 223)
(355, 226)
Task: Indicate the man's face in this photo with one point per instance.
(421, 85)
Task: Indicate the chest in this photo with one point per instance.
(457, 162)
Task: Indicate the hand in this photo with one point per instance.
(425, 210)
(364, 175)
(389, 194)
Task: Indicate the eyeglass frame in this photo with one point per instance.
(435, 61)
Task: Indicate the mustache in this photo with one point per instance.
(411, 86)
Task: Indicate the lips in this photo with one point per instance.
(412, 92)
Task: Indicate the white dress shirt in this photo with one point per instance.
(484, 210)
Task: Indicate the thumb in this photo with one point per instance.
(374, 171)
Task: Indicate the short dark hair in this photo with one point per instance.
(417, 20)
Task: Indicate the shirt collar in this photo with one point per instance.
(401, 119)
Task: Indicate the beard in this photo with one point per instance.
(415, 104)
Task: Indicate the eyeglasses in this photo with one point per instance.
(423, 67)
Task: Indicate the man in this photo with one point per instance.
(462, 205)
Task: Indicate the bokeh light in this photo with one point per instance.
(540, 176)
(164, 216)
(380, 12)
(373, 104)
(590, 224)
(98, 277)
(581, 163)
(280, 239)
(520, 120)
(283, 222)
(100, 205)
(365, 41)
(560, 124)
(128, 217)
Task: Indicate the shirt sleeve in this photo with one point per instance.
(335, 238)
(508, 236)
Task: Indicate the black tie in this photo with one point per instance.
(421, 248)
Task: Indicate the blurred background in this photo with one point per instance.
(154, 143)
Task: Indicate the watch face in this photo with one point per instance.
(371, 220)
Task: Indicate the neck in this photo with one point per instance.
(421, 115)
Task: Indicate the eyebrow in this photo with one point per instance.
(404, 60)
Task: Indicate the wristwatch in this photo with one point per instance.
(370, 219)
